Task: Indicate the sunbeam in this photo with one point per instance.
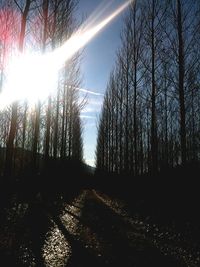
(33, 77)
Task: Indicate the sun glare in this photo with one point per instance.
(30, 77)
(33, 77)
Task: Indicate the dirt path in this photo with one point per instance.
(93, 230)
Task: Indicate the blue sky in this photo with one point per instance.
(98, 60)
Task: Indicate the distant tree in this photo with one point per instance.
(13, 124)
(53, 127)
(150, 117)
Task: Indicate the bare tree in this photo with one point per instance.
(13, 124)
(150, 117)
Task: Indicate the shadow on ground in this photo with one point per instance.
(76, 225)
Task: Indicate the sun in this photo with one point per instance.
(32, 77)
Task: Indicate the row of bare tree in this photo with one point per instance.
(151, 113)
(52, 128)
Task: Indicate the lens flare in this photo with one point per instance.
(30, 78)
(33, 77)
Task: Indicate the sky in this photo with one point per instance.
(98, 61)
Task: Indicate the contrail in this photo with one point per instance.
(33, 77)
(89, 91)
(87, 117)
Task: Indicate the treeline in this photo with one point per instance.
(151, 112)
(50, 129)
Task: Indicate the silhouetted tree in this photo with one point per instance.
(149, 116)
(13, 123)
(53, 127)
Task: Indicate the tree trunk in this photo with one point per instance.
(154, 148)
(181, 83)
(14, 115)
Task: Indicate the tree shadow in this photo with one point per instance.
(109, 228)
(80, 254)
